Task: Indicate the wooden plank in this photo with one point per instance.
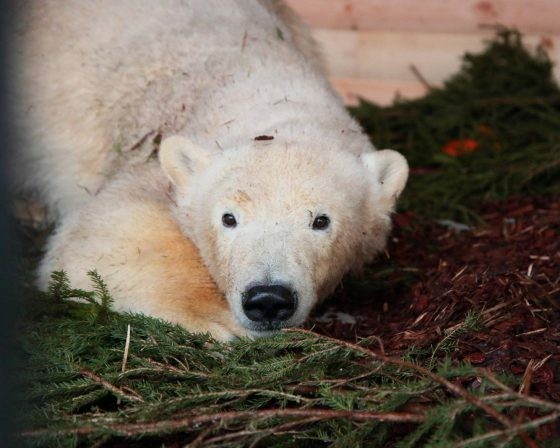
(389, 56)
(449, 16)
(380, 91)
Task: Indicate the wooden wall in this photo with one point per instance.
(377, 49)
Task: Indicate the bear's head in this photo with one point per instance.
(277, 225)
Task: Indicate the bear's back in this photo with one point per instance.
(96, 79)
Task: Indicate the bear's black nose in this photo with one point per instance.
(272, 303)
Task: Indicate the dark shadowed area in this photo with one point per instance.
(7, 250)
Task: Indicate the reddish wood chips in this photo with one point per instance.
(507, 271)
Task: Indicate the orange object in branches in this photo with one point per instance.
(456, 148)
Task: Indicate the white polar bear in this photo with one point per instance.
(261, 168)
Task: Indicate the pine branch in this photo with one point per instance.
(472, 322)
(454, 388)
(101, 290)
(535, 423)
(147, 428)
(119, 392)
(485, 373)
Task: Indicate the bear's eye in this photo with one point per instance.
(228, 220)
(321, 222)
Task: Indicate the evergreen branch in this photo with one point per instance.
(505, 399)
(472, 322)
(454, 388)
(200, 438)
(237, 393)
(535, 423)
(485, 373)
(156, 427)
(110, 387)
(101, 290)
(278, 429)
(59, 288)
(58, 285)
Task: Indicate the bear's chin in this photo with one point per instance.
(263, 329)
(264, 333)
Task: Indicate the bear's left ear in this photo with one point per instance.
(180, 158)
(390, 173)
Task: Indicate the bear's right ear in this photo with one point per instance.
(390, 173)
(180, 158)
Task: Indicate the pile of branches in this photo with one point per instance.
(491, 131)
(96, 378)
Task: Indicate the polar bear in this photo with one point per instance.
(195, 155)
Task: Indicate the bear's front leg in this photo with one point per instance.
(150, 267)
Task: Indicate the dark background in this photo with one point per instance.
(7, 248)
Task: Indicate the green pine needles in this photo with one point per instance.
(448, 343)
(100, 299)
(294, 389)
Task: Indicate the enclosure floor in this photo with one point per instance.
(433, 275)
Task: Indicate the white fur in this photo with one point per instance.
(98, 80)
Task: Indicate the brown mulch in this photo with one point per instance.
(508, 271)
